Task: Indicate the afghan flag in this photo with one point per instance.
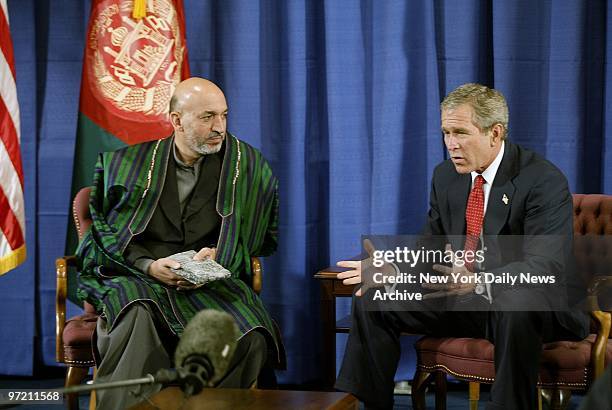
(12, 211)
(135, 55)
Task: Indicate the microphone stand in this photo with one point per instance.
(161, 377)
(192, 377)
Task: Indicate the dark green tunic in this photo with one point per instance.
(126, 190)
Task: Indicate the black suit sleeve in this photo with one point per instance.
(138, 256)
(433, 225)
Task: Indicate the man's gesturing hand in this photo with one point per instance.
(454, 287)
(353, 277)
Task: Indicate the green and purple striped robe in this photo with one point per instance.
(126, 190)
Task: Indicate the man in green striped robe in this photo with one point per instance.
(201, 189)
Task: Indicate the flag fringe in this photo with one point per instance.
(12, 260)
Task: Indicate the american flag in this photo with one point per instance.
(12, 212)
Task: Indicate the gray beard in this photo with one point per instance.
(204, 149)
(207, 150)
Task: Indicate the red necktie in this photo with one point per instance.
(473, 216)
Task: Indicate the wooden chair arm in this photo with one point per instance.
(61, 292)
(603, 321)
(598, 352)
(595, 289)
(598, 283)
(257, 274)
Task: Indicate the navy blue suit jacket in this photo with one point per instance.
(529, 200)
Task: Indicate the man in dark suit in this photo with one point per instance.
(489, 188)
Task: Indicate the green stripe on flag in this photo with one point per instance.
(91, 139)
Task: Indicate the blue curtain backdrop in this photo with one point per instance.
(342, 97)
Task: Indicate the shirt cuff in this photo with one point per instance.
(483, 289)
(391, 289)
(143, 264)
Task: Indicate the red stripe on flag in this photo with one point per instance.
(8, 136)
(10, 206)
(130, 125)
(6, 45)
(180, 11)
(9, 223)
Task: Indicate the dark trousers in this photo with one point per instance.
(137, 346)
(373, 349)
(247, 362)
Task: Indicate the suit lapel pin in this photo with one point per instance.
(505, 199)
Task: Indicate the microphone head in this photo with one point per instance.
(211, 334)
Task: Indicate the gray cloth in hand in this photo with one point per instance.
(198, 272)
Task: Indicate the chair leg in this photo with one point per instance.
(74, 376)
(555, 399)
(540, 393)
(419, 385)
(474, 395)
(440, 390)
(92, 396)
(558, 399)
(566, 396)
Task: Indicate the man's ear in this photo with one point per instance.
(175, 120)
(496, 134)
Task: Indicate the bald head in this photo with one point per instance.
(198, 112)
(188, 90)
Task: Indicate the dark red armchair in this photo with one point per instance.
(564, 366)
(74, 336)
